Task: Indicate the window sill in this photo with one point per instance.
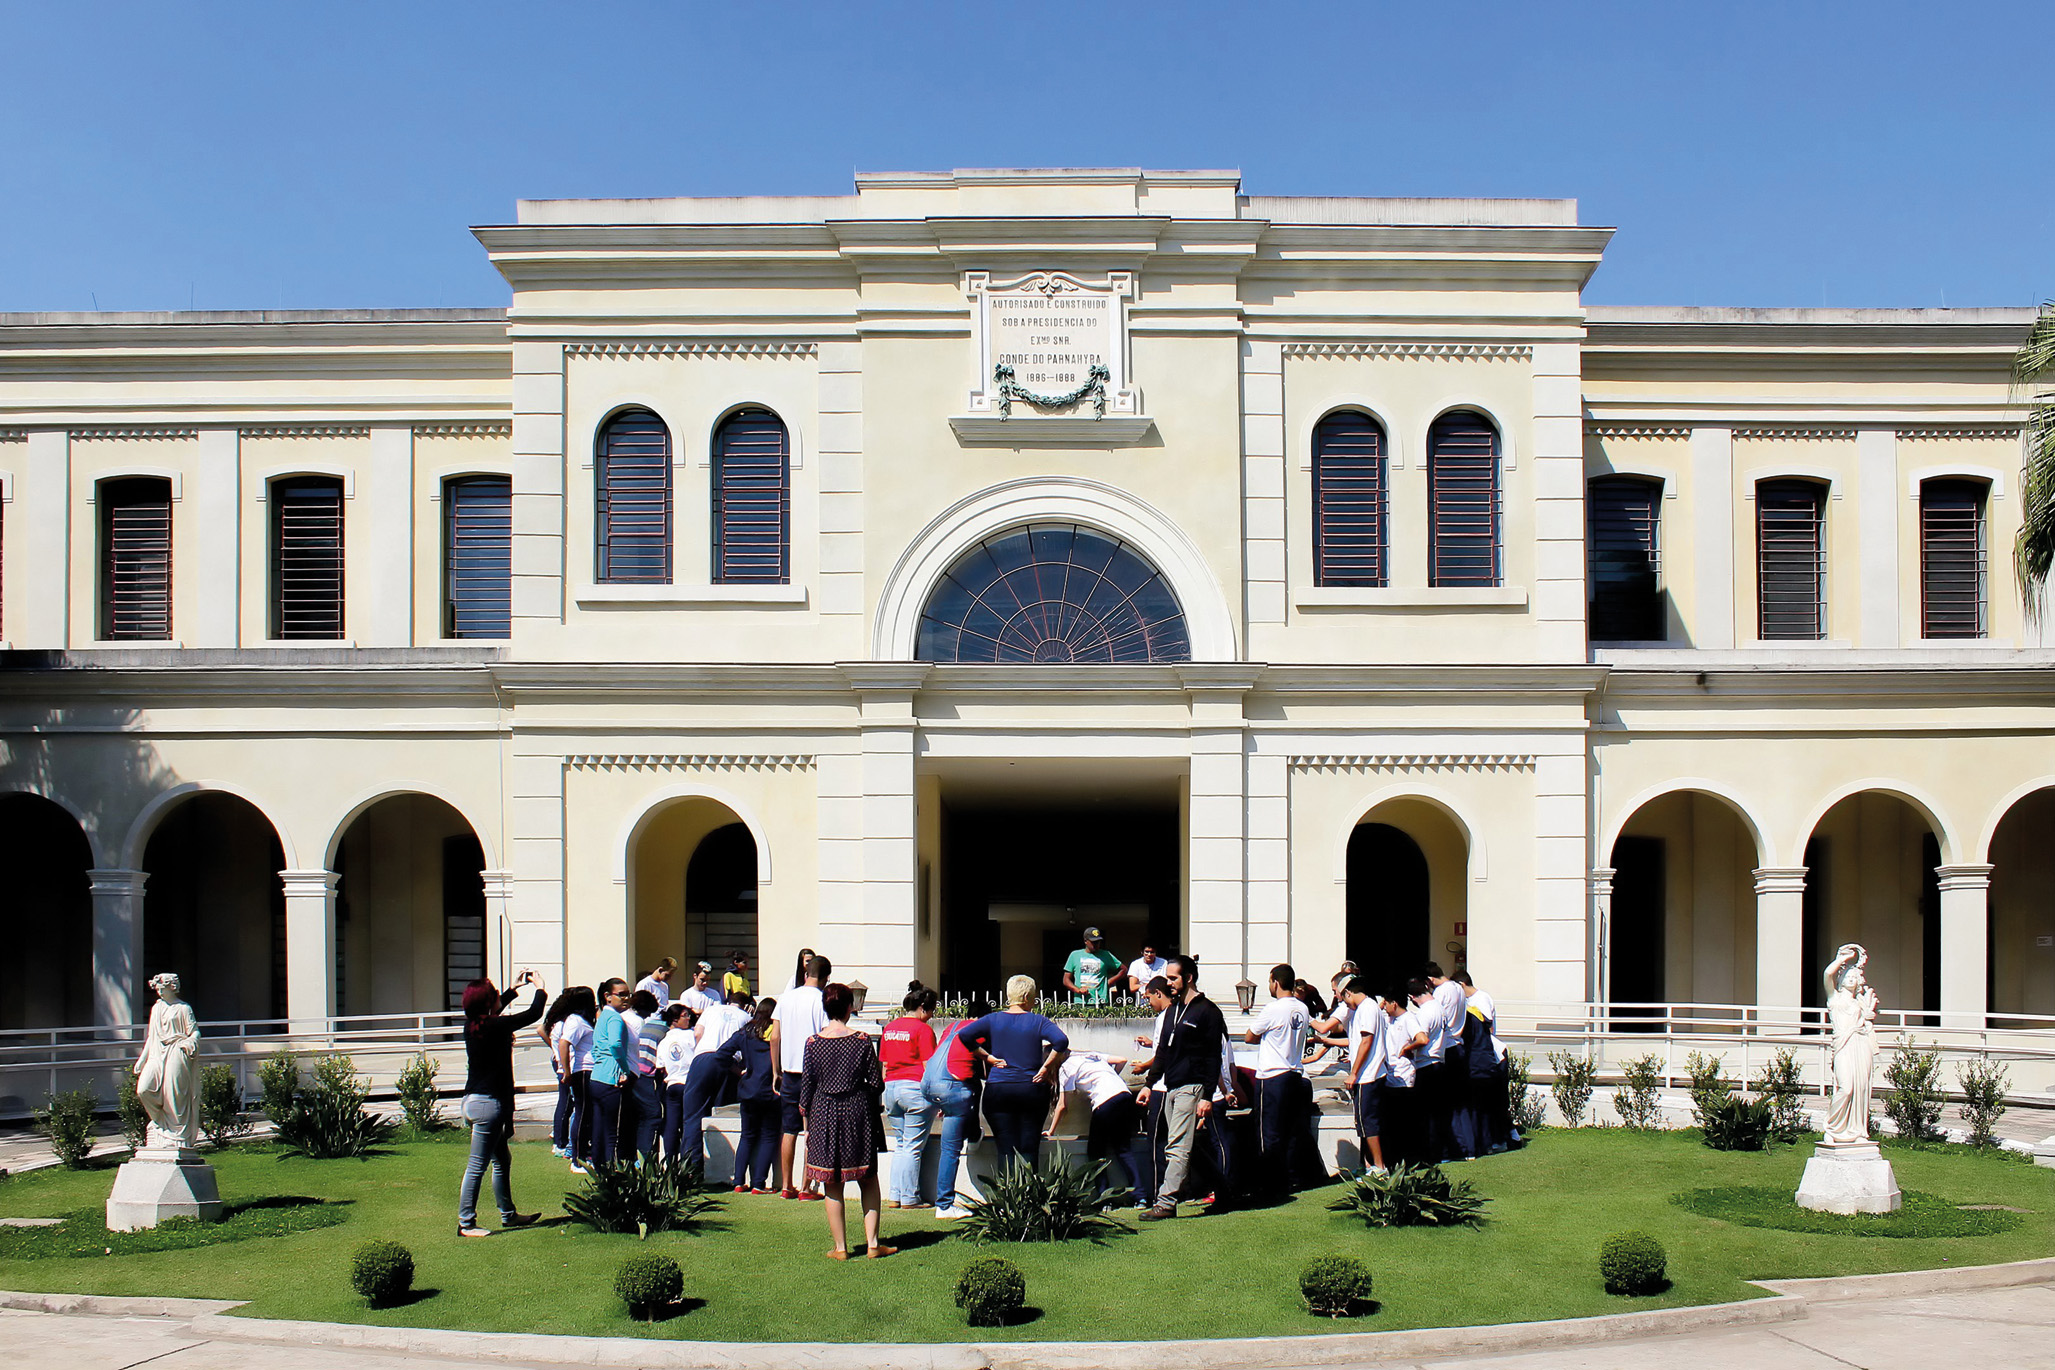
(130, 644)
(289, 643)
(1316, 597)
(600, 596)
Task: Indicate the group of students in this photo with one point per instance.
(639, 1073)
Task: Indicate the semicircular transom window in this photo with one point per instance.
(1052, 593)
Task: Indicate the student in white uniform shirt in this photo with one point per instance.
(1367, 1067)
(1115, 1114)
(701, 994)
(1432, 1102)
(658, 982)
(673, 1060)
(714, 1028)
(1405, 1043)
(1142, 970)
(1284, 1097)
(1453, 1009)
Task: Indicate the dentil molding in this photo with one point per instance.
(660, 761)
(1417, 761)
(1477, 351)
(691, 349)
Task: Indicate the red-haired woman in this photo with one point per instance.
(489, 1095)
(840, 1089)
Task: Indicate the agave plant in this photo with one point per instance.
(1411, 1195)
(624, 1196)
(1056, 1203)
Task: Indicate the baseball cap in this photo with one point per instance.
(704, 965)
(1093, 935)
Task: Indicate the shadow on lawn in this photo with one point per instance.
(676, 1309)
(408, 1299)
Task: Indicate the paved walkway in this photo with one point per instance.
(2013, 1327)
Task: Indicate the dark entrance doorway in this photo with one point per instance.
(1388, 913)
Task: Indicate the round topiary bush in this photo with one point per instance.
(990, 1290)
(647, 1282)
(1335, 1286)
(1632, 1263)
(383, 1272)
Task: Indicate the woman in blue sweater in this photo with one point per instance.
(748, 1050)
(1026, 1050)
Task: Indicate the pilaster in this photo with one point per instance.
(539, 489)
(1712, 538)
(210, 561)
(1780, 936)
(383, 615)
(39, 544)
(1564, 937)
(309, 945)
(1559, 598)
(1263, 475)
(117, 943)
(1601, 884)
(841, 477)
(871, 931)
(1217, 931)
(1876, 485)
(1965, 943)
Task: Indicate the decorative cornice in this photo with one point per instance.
(2004, 433)
(134, 432)
(309, 430)
(1835, 433)
(1417, 762)
(1478, 351)
(690, 349)
(477, 428)
(680, 762)
(14, 435)
(1638, 430)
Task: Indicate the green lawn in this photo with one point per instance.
(759, 1273)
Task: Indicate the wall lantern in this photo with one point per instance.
(858, 992)
(1245, 994)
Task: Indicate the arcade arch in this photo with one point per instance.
(214, 908)
(2022, 906)
(694, 867)
(410, 916)
(1870, 878)
(46, 977)
(1407, 890)
(1683, 922)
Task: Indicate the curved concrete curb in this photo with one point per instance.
(1787, 1302)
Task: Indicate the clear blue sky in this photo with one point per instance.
(333, 156)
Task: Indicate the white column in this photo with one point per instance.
(841, 478)
(381, 548)
(1965, 943)
(39, 545)
(500, 963)
(1601, 881)
(1558, 459)
(878, 945)
(208, 559)
(1780, 937)
(1263, 511)
(1876, 503)
(1216, 918)
(538, 551)
(1712, 539)
(309, 945)
(117, 943)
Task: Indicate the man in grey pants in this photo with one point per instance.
(1187, 1067)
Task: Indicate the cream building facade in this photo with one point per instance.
(921, 574)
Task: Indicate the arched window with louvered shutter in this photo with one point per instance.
(1791, 560)
(632, 480)
(1625, 514)
(1953, 559)
(1462, 500)
(1351, 500)
(752, 500)
(135, 559)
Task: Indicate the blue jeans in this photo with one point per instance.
(490, 1127)
(567, 1108)
(909, 1114)
(648, 1105)
(955, 1103)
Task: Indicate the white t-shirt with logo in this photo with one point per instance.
(799, 1015)
(674, 1055)
(1281, 1030)
(1398, 1035)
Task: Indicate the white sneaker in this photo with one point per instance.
(950, 1215)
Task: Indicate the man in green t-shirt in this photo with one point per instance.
(1089, 971)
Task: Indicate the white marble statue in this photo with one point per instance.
(1852, 1014)
(165, 1073)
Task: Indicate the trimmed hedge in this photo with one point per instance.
(382, 1271)
(646, 1282)
(1335, 1286)
(1632, 1263)
(990, 1290)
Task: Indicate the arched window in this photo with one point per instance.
(752, 540)
(1791, 560)
(135, 559)
(632, 471)
(478, 552)
(1952, 558)
(1626, 559)
(1350, 500)
(1462, 500)
(1052, 593)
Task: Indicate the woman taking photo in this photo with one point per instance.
(839, 1089)
(489, 1095)
(904, 1048)
(1017, 1090)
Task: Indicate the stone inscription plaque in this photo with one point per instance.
(1045, 334)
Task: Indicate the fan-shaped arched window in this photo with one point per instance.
(633, 479)
(1350, 499)
(752, 539)
(1462, 500)
(1052, 593)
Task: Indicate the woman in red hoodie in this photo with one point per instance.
(904, 1048)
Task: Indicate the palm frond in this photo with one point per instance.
(2033, 375)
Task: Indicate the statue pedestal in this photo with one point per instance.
(1849, 1177)
(160, 1183)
